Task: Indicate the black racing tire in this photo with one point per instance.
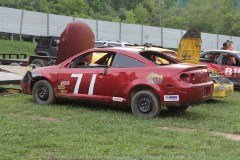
(145, 104)
(51, 62)
(39, 62)
(43, 93)
(177, 109)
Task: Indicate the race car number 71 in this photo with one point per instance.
(79, 79)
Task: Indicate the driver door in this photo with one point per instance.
(85, 77)
(230, 65)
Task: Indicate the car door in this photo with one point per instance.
(120, 75)
(230, 65)
(85, 77)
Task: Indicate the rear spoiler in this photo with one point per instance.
(197, 67)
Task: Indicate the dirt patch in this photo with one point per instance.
(234, 137)
(45, 119)
(177, 129)
(5, 91)
(11, 114)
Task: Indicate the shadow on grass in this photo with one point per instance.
(103, 107)
(93, 106)
(216, 101)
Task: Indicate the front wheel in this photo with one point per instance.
(177, 109)
(43, 93)
(145, 104)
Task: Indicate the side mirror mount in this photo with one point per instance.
(105, 70)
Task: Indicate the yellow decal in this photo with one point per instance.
(61, 87)
(63, 91)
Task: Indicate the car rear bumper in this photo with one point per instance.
(227, 91)
(191, 95)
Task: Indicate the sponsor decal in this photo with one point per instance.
(63, 91)
(154, 78)
(65, 83)
(171, 98)
(61, 87)
(117, 99)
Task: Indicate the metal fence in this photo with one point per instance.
(25, 22)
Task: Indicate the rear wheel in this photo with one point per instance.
(43, 93)
(177, 109)
(39, 62)
(145, 104)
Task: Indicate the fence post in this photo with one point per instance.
(120, 31)
(33, 39)
(142, 36)
(21, 23)
(161, 36)
(48, 24)
(73, 19)
(97, 30)
(217, 41)
(11, 37)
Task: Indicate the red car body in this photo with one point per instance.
(223, 62)
(120, 73)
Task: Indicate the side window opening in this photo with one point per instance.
(230, 60)
(45, 42)
(124, 61)
(210, 57)
(93, 59)
(158, 58)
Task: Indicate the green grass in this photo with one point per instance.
(17, 47)
(75, 131)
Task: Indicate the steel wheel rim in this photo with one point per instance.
(43, 93)
(144, 105)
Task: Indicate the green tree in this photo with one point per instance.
(130, 17)
(74, 8)
(141, 14)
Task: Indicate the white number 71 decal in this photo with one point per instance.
(79, 79)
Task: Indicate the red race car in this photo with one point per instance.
(144, 80)
(223, 62)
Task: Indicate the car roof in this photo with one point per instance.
(219, 50)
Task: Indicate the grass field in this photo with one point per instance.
(71, 130)
(8, 46)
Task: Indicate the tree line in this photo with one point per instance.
(213, 16)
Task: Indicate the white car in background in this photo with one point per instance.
(110, 43)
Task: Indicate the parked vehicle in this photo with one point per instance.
(188, 52)
(223, 87)
(110, 43)
(45, 54)
(223, 62)
(122, 76)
